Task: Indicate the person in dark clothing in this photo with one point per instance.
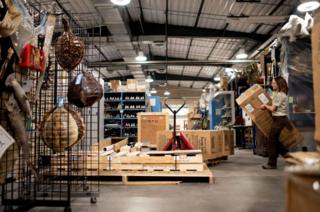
(279, 116)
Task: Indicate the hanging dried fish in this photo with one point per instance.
(69, 49)
(5, 63)
(20, 94)
(18, 126)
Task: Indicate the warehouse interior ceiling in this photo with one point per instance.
(175, 30)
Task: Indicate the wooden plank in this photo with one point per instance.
(149, 123)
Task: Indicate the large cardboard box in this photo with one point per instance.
(251, 100)
(149, 124)
(316, 74)
(115, 85)
(300, 193)
(131, 85)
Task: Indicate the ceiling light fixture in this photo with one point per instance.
(149, 79)
(121, 2)
(308, 5)
(141, 57)
(153, 91)
(217, 79)
(166, 93)
(242, 54)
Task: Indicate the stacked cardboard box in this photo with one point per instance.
(251, 100)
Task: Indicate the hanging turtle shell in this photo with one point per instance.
(84, 90)
(69, 49)
(62, 128)
(80, 123)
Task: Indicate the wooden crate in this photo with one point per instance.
(208, 141)
(316, 74)
(117, 143)
(149, 124)
(227, 137)
(300, 195)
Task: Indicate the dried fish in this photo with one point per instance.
(5, 63)
(19, 93)
(18, 126)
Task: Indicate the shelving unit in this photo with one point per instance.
(221, 109)
(120, 114)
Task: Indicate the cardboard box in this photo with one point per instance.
(115, 85)
(316, 74)
(149, 124)
(131, 85)
(300, 195)
(251, 100)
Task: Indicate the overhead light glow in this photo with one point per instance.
(166, 93)
(242, 54)
(141, 57)
(153, 91)
(121, 2)
(217, 78)
(203, 90)
(307, 6)
(149, 79)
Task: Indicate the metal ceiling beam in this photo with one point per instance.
(173, 62)
(163, 77)
(191, 32)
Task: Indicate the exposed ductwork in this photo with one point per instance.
(114, 20)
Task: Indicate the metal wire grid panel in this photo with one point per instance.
(61, 176)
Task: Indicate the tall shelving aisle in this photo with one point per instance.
(120, 115)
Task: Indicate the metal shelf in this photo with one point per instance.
(137, 100)
(136, 109)
(111, 110)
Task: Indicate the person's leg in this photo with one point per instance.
(273, 145)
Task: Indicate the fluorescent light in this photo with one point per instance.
(166, 93)
(121, 2)
(242, 54)
(141, 56)
(153, 91)
(149, 79)
(307, 6)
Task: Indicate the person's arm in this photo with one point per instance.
(276, 102)
(271, 108)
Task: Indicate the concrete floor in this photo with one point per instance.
(241, 186)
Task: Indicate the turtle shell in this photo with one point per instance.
(80, 123)
(59, 129)
(69, 49)
(84, 90)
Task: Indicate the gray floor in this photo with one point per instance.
(241, 185)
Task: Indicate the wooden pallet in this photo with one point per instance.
(215, 161)
(143, 177)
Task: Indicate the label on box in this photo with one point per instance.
(263, 98)
(5, 141)
(218, 112)
(249, 108)
(79, 78)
